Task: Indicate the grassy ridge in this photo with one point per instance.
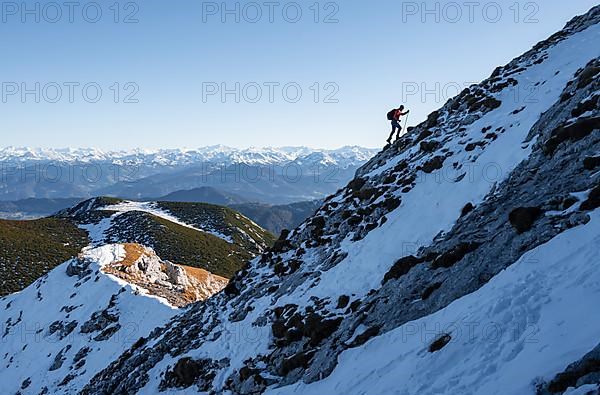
(30, 249)
(222, 219)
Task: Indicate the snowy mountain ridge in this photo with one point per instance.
(221, 155)
(426, 274)
(267, 175)
(417, 237)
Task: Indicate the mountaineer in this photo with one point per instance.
(394, 116)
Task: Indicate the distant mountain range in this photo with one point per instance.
(267, 175)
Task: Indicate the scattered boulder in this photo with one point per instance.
(440, 343)
(467, 209)
(317, 328)
(591, 162)
(430, 290)
(299, 360)
(365, 336)
(59, 359)
(523, 218)
(593, 200)
(188, 371)
(430, 146)
(451, 257)
(401, 267)
(433, 164)
(343, 301)
(572, 132)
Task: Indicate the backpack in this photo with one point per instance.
(390, 115)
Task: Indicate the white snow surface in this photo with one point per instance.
(28, 349)
(531, 320)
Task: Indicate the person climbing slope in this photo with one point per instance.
(394, 116)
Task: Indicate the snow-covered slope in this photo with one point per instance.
(528, 322)
(61, 330)
(484, 213)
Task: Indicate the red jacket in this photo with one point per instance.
(398, 114)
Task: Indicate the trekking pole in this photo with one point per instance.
(406, 123)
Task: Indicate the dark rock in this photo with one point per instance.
(356, 184)
(440, 343)
(187, 372)
(107, 333)
(423, 135)
(343, 301)
(300, 360)
(82, 353)
(585, 106)
(365, 336)
(401, 267)
(587, 75)
(467, 209)
(574, 375)
(568, 202)
(432, 119)
(231, 289)
(78, 267)
(591, 162)
(59, 359)
(317, 328)
(593, 200)
(355, 305)
(449, 258)
(99, 321)
(573, 132)
(278, 328)
(25, 383)
(430, 290)
(433, 164)
(282, 244)
(429, 146)
(523, 218)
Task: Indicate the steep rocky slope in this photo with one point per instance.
(481, 217)
(57, 332)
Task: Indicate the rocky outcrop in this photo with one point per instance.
(180, 285)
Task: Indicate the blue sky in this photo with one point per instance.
(161, 75)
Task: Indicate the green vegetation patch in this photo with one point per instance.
(30, 249)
